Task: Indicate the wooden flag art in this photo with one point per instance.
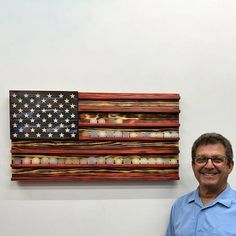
(80, 136)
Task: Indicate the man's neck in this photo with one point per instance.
(209, 194)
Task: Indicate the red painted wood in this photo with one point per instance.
(127, 139)
(97, 177)
(138, 123)
(131, 166)
(53, 144)
(105, 152)
(87, 108)
(129, 96)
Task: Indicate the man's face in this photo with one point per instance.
(210, 175)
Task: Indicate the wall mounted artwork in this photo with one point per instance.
(82, 136)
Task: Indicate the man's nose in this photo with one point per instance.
(209, 163)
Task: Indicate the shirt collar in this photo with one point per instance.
(225, 198)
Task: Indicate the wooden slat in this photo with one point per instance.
(135, 124)
(127, 139)
(86, 108)
(113, 166)
(129, 96)
(92, 145)
(96, 177)
(105, 152)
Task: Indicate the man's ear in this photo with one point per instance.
(231, 166)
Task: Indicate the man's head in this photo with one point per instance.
(212, 161)
(213, 138)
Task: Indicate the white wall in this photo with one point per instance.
(183, 46)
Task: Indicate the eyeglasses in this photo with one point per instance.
(216, 160)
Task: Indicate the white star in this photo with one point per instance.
(55, 100)
(14, 115)
(55, 130)
(26, 95)
(61, 135)
(72, 125)
(14, 125)
(49, 95)
(44, 120)
(26, 115)
(38, 115)
(20, 110)
(32, 120)
(73, 135)
(61, 115)
(14, 105)
(38, 105)
(20, 120)
(67, 130)
(61, 125)
(21, 130)
(72, 95)
(49, 125)
(38, 125)
(26, 135)
(37, 95)
(43, 100)
(60, 105)
(60, 95)
(15, 135)
(20, 100)
(43, 110)
(55, 110)
(67, 120)
(14, 95)
(38, 135)
(72, 105)
(31, 100)
(32, 110)
(66, 100)
(26, 125)
(50, 135)
(55, 120)
(44, 130)
(49, 115)
(67, 110)
(72, 115)
(32, 130)
(49, 105)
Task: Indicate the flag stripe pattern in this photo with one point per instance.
(79, 136)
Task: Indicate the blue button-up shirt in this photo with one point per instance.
(189, 217)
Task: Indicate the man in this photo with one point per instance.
(210, 209)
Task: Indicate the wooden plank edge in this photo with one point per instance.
(117, 109)
(96, 178)
(102, 151)
(136, 124)
(128, 96)
(109, 166)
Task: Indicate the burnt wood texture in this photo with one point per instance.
(80, 136)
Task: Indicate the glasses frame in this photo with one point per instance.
(212, 158)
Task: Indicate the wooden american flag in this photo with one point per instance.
(80, 136)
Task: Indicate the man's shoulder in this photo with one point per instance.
(186, 198)
(232, 192)
(182, 202)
